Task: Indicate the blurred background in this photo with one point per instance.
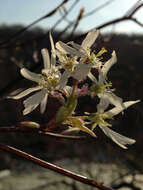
(24, 31)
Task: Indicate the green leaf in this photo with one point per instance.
(78, 123)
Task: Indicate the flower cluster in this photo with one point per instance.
(76, 61)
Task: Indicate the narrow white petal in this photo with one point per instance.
(90, 39)
(53, 55)
(46, 58)
(52, 45)
(92, 77)
(64, 48)
(34, 99)
(81, 51)
(117, 138)
(30, 75)
(81, 71)
(64, 80)
(103, 104)
(112, 99)
(106, 67)
(43, 103)
(117, 110)
(60, 56)
(29, 109)
(25, 92)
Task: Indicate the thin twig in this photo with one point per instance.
(53, 167)
(98, 8)
(35, 131)
(79, 17)
(120, 19)
(65, 15)
(130, 12)
(14, 36)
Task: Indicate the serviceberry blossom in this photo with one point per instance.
(76, 62)
(99, 119)
(48, 81)
(101, 87)
(68, 55)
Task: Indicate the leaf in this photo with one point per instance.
(78, 123)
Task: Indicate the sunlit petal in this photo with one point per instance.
(25, 92)
(81, 71)
(29, 109)
(64, 48)
(30, 75)
(46, 58)
(106, 67)
(90, 39)
(53, 55)
(34, 99)
(112, 99)
(64, 80)
(103, 104)
(117, 138)
(117, 110)
(92, 77)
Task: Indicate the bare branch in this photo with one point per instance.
(35, 131)
(98, 8)
(53, 167)
(14, 36)
(120, 19)
(65, 15)
(137, 22)
(131, 10)
(79, 17)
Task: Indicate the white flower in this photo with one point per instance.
(101, 87)
(68, 56)
(99, 119)
(48, 81)
(82, 50)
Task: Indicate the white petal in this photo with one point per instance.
(81, 51)
(46, 58)
(81, 71)
(92, 77)
(53, 55)
(117, 138)
(90, 39)
(103, 104)
(25, 92)
(117, 110)
(30, 75)
(29, 109)
(107, 66)
(34, 99)
(60, 56)
(64, 80)
(43, 104)
(112, 99)
(64, 48)
(52, 45)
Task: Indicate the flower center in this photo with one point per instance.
(98, 88)
(99, 119)
(49, 82)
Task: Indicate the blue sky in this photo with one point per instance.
(26, 11)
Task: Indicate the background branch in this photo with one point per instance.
(35, 131)
(53, 167)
